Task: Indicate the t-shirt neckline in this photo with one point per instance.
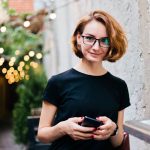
(89, 75)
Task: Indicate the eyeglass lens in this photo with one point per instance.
(89, 40)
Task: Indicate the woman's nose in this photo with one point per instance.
(96, 45)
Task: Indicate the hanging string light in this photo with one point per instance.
(21, 72)
(27, 77)
(31, 53)
(38, 55)
(27, 67)
(1, 61)
(17, 52)
(52, 15)
(21, 63)
(4, 70)
(26, 58)
(3, 29)
(26, 24)
(13, 59)
(11, 63)
(1, 50)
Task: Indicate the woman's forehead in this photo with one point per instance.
(95, 28)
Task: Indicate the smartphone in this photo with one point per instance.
(91, 122)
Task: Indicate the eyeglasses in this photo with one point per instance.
(90, 40)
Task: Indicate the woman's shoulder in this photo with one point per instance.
(117, 79)
(61, 76)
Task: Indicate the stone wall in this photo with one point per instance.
(134, 16)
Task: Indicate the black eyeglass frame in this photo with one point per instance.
(99, 41)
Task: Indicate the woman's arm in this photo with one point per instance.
(48, 133)
(118, 138)
(105, 131)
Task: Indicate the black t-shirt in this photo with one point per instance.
(77, 94)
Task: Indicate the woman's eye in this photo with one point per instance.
(89, 38)
(105, 40)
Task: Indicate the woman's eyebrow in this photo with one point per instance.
(89, 34)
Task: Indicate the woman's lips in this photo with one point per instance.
(95, 54)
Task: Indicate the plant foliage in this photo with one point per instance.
(29, 92)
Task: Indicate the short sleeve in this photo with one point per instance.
(124, 98)
(51, 92)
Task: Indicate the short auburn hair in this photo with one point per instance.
(118, 40)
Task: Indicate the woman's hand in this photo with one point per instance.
(104, 131)
(72, 128)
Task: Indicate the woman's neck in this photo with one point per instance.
(90, 68)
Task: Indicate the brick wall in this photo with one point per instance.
(21, 5)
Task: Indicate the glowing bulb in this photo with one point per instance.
(31, 63)
(38, 55)
(52, 15)
(11, 69)
(12, 79)
(26, 57)
(1, 50)
(19, 68)
(13, 59)
(7, 76)
(16, 78)
(2, 61)
(22, 63)
(20, 78)
(27, 67)
(9, 82)
(31, 53)
(35, 65)
(11, 63)
(9, 72)
(4, 70)
(22, 74)
(15, 72)
(3, 29)
(27, 77)
(17, 52)
(26, 24)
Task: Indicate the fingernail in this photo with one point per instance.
(82, 117)
(94, 129)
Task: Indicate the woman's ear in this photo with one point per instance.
(78, 39)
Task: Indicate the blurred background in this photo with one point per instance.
(35, 44)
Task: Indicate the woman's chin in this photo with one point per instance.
(94, 60)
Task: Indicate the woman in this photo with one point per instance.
(88, 89)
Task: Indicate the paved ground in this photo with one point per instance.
(7, 140)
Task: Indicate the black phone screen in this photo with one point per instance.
(91, 122)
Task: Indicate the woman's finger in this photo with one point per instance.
(84, 135)
(84, 129)
(102, 118)
(76, 119)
